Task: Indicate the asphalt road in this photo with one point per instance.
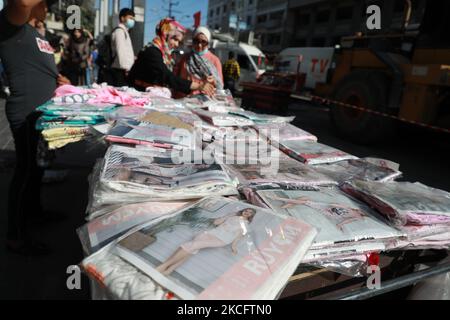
(423, 157)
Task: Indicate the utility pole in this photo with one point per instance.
(171, 5)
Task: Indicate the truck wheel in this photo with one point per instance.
(365, 89)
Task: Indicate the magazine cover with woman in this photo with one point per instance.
(219, 249)
(343, 223)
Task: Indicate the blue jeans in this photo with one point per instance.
(88, 76)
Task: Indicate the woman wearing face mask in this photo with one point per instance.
(201, 64)
(154, 65)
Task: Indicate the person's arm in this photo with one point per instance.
(238, 70)
(18, 12)
(89, 34)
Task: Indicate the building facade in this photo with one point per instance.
(320, 23)
(220, 12)
(271, 17)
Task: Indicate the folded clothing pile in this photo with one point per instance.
(59, 137)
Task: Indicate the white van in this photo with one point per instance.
(251, 60)
(316, 63)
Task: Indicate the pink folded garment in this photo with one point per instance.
(103, 95)
(114, 139)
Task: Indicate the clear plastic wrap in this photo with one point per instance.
(355, 266)
(358, 169)
(261, 118)
(221, 102)
(404, 203)
(311, 152)
(286, 172)
(119, 280)
(139, 172)
(223, 119)
(250, 253)
(346, 226)
(277, 132)
(136, 132)
(114, 221)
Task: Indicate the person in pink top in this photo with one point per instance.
(200, 64)
(228, 231)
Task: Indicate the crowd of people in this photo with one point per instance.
(35, 62)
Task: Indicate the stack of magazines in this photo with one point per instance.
(221, 119)
(311, 152)
(286, 172)
(217, 249)
(346, 227)
(114, 221)
(358, 169)
(423, 213)
(146, 173)
(278, 132)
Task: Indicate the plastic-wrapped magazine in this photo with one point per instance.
(357, 169)
(283, 132)
(165, 119)
(137, 132)
(113, 223)
(221, 102)
(404, 203)
(252, 151)
(219, 249)
(343, 223)
(285, 172)
(213, 133)
(223, 119)
(124, 113)
(423, 237)
(166, 104)
(140, 171)
(311, 152)
(119, 280)
(261, 118)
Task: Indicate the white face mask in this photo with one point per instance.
(130, 23)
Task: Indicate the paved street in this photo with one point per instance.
(423, 157)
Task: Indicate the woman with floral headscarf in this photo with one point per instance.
(200, 63)
(154, 65)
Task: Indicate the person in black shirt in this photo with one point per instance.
(154, 65)
(30, 67)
